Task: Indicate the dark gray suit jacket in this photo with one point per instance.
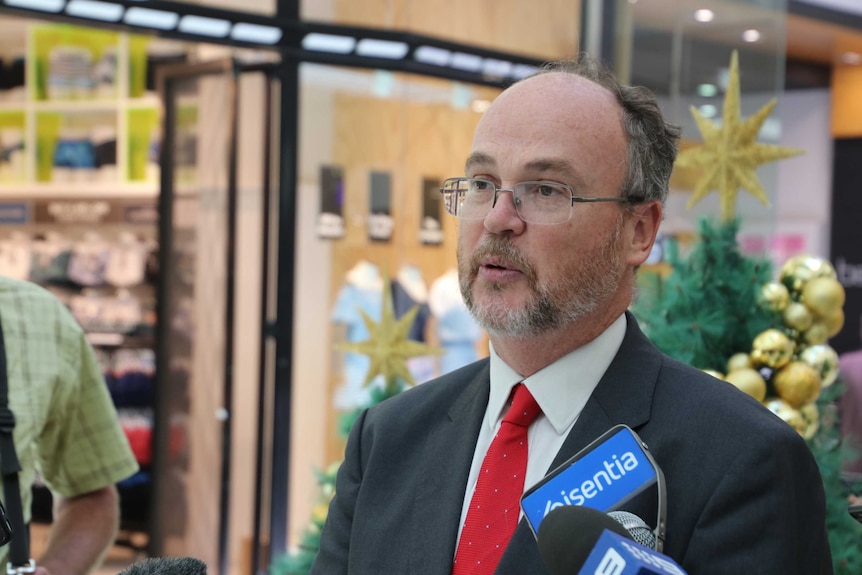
(744, 492)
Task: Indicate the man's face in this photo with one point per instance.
(520, 279)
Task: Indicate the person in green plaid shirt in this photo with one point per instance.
(66, 427)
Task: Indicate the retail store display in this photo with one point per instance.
(358, 302)
(388, 349)
(455, 329)
(102, 280)
(78, 174)
(79, 116)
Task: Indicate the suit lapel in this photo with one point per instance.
(448, 451)
(624, 394)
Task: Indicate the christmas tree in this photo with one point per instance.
(721, 311)
(389, 349)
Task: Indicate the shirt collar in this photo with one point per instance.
(563, 387)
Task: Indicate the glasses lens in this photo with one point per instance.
(468, 198)
(543, 202)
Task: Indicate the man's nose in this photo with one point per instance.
(503, 215)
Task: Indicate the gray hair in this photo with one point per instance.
(652, 142)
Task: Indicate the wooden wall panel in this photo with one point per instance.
(509, 25)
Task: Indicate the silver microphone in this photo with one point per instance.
(636, 526)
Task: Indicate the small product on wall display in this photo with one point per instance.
(431, 227)
(330, 220)
(380, 220)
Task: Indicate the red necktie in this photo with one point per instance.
(493, 513)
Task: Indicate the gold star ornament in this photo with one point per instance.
(388, 346)
(730, 153)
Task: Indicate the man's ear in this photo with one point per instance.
(643, 221)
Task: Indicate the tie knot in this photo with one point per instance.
(524, 409)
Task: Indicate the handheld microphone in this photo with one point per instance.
(575, 539)
(635, 526)
(568, 534)
(167, 566)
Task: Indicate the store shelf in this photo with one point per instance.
(107, 190)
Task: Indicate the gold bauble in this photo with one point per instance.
(749, 381)
(797, 316)
(796, 272)
(816, 334)
(713, 373)
(823, 296)
(797, 383)
(738, 361)
(774, 296)
(787, 412)
(834, 322)
(771, 348)
(824, 360)
(811, 416)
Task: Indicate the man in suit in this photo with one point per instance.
(562, 201)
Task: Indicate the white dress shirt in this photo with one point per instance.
(561, 390)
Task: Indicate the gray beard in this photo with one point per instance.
(552, 305)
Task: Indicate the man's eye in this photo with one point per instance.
(548, 191)
(481, 186)
(544, 191)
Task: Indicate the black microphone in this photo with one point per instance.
(167, 566)
(581, 540)
(568, 534)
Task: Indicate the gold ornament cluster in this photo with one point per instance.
(787, 367)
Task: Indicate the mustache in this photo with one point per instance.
(501, 248)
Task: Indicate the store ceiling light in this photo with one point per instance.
(704, 15)
(329, 43)
(521, 71)
(149, 18)
(202, 26)
(95, 10)
(493, 67)
(708, 111)
(469, 62)
(40, 5)
(707, 90)
(432, 55)
(751, 35)
(245, 32)
(480, 106)
(387, 49)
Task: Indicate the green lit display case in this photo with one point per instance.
(84, 124)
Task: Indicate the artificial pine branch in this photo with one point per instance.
(707, 309)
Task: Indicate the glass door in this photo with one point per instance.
(214, 234)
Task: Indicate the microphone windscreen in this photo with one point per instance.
(568, 534)
(167, 566)
(637, 527)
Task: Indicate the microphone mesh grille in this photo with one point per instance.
(636, 526)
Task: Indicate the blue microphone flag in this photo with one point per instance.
(604, 475)
(616, 555)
